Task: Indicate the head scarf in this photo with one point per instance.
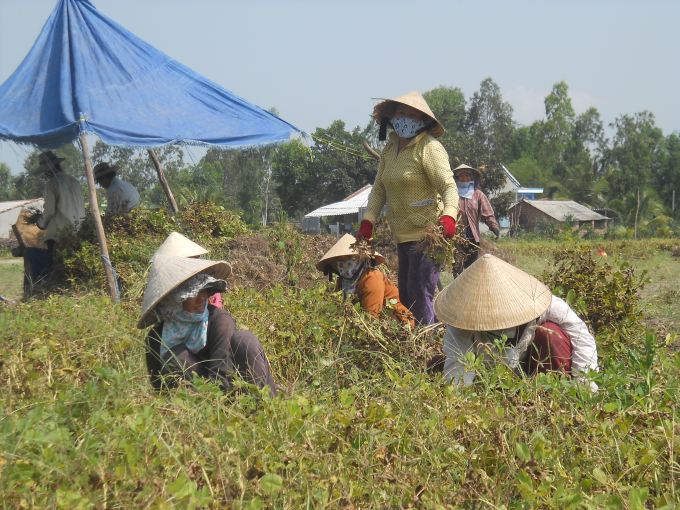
(180, 326)
(350, 272)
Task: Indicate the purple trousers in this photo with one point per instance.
(418, 277)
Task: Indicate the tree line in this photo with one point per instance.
(568, 155)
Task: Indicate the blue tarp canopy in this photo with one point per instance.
(86, 73)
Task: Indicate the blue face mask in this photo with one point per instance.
(407, 128)
(465, 189)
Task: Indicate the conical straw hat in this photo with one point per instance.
(413, 99)
(342, 248)
(472, 171)
(490, 295)
(179, 246)
(167, 273)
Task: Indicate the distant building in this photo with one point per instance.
(340, 215)
(527, 213)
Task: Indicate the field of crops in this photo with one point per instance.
(358, 423)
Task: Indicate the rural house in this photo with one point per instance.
(342, 213)
(527, 213)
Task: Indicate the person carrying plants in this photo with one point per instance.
(498, 309)
(192, 338)
(362, 280)
(178, 245)
(121, 196)
(473, 204)
(63, 209)
(415, 182)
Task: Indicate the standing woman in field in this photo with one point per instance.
(473, 205)
(415, 182)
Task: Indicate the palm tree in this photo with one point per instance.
(649, 206)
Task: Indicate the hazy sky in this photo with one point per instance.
(318, 61)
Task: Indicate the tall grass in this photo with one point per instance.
(358, 424)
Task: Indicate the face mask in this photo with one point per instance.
(465, 189)
(348, 268)
(407, 128)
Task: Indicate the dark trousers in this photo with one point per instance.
(220, 358)
(51, 250)
(418, 276)
(550, 351)
(471, 254)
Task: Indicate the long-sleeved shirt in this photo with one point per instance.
(417, 185)
(458, 342)
(121, 197)
(473, 208)
(63, 208)
(375, 291)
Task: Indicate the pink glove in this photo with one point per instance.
(365, 231)
(449, 226)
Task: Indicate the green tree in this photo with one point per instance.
(667, 170)
(633, 152)
(309, 178)
(489, 119)
(7, 188)
(449, 107)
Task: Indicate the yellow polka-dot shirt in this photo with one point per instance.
(417, 185)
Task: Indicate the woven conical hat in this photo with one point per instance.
(473, 171)
(342, 248)
(167, 273)
(413, 99)
(179, 246)
(490, 295)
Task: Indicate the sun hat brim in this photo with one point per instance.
(490, 295)
(470, 170)
(413, 99)
(98, 174)
(341, 249)
(167, 273)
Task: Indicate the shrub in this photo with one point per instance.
(605, 295)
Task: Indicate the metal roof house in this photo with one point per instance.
(527, 213)
(344, 213)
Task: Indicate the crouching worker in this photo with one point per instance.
(362, 280)
(492, 299)
(177, 245)
(191, 337)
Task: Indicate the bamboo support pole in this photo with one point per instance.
(101, 236)
(164, 182)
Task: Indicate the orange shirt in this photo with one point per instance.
(374, 289)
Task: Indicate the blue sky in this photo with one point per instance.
(318, 61)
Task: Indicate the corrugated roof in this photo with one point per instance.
(558, 209)
(349, 205)
(8, 206)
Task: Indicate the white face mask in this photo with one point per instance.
(465, 189)
(407, 128)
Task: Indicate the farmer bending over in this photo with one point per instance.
(191, 337)
(415, 182)
(492, 299)
(179, 246)
(362, 280)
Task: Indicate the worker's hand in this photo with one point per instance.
(365, 231)
(449, 226)
(496, 232)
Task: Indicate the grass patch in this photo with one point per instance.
(358, 424)
(11, 279)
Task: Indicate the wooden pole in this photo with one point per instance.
(101, 236)
(164, 182)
